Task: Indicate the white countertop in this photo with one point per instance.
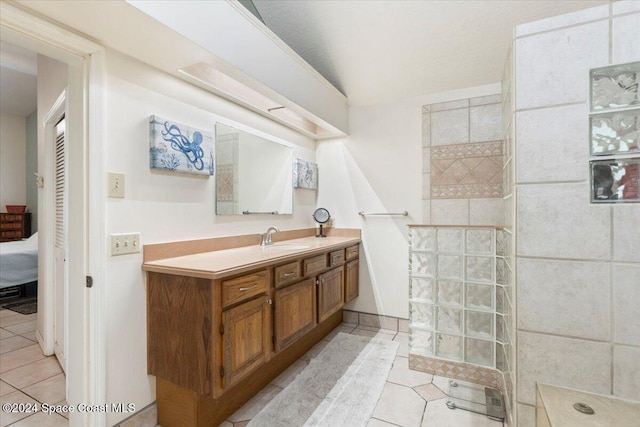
(222, 263)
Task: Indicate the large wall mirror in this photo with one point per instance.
(253, 174)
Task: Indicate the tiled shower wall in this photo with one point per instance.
(577, 263)
(462, 162)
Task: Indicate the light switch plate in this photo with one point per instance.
(116, 185)
(125, 243)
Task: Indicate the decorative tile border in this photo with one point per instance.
(476, 149)
(457, 371)
(467, 171)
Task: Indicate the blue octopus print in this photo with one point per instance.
(180, 148)
(179, 142)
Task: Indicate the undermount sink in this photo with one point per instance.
(288, 246)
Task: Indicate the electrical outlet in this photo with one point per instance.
(125, 243)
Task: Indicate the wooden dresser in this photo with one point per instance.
(223, 324)
(15, 226)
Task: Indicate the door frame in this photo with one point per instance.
(86, 374)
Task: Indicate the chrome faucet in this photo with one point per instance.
(266, 236)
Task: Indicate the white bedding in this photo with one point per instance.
(19, 262)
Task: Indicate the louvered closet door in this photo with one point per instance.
(60, 245)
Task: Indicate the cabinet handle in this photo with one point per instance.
(291, 273)
(269, 301)
(246, 289)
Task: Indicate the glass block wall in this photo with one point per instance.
(454, 293)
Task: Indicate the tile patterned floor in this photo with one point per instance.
(409, 399)
(27, 375)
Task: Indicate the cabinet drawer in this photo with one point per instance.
(336, 258)
(244, 287)
(287, 273)
(315, 264)
(352, 252)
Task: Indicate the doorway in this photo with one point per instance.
(83, 255)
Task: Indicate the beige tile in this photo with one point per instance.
(5, 334)
(570, 53)
(42, 419)
(403, 325)
(52, 389)
(626, 372)
(16, 319)
(552, 219)
(625, 30)
(289, 374)
(547, 287)
(32, 373)
(30, 335)
(403, 340)
(450, 127)
(626, 294)
(23, 328)
(6, 313)
(7, 418)
(382, 334)
(402, 375)
(5, 388)
(526, 416)
(489, 211)
(399, 405)
(429, 392)
(485, 123)
(563, 362)
(450, 211)
(438, 415)
(374, 422)
(564, 126)
(13, 343)
(63, 403)
(21, 357)
(626, 233)
(253, 406)
(442, 383)
(226, 424)
(350, 316)
(378, 321)
(147, 417)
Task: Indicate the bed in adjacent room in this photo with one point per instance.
(19, 262)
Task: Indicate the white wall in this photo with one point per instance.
(32, 167)
(164, 206)
(378, 168)
(13, 143)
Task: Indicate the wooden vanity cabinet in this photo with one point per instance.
(294, 312)
(246, 339)
(351, 281)
(214, 343)
(330, 292)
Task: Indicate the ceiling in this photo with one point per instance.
(18, 81)
(379, 51)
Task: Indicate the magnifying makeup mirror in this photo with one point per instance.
(321, 216)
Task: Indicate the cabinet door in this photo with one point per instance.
(247, 339)
(295, 312)
(351, 281)
(330, 293)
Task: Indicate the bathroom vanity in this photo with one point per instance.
(225, 316)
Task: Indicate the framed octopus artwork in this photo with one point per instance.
(180, 148)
